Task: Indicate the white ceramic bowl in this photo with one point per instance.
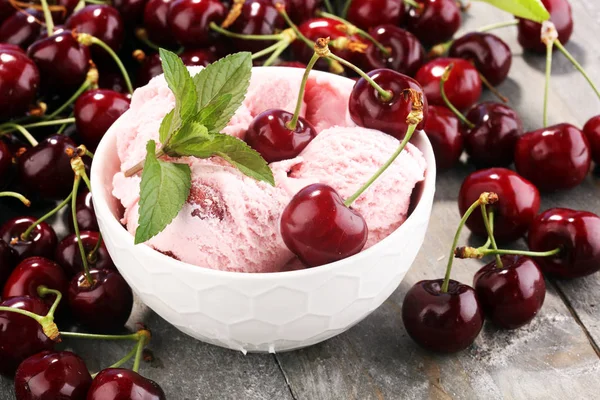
(266, 311)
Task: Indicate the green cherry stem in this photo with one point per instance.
(92, 255)
(62, 128)
(16, 127)
(549, 47)
(234, 35)
(443, 80)
(313, 60)
(267, 50)
(498, 25)
(549, 253)
(413, 3)
(25, 235)
(492, 89)
(92, 336)
(18, 196)
(490, 233)
(384, 94)
(48, 17)
(328, 6)
(345, 9)
(275, 55)
(576, 64)
(77, 166)
(122, 361)
(138, 354)
(142, 35)
(50, 123)
(91, 80)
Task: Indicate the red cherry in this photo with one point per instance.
(8, 261)
(368, 13)
(553, 158)
(434, 21)
(121, 384)
(490, 55)
(156, 24)
(491, 143)
(463, 87)
(52, 375)
(518, 204)
(592, 133)
(560, 14)
(442, 322)
(270, 136)
(113, 81)
(444, 132)
(190, 20)
(513, 295)
(86, 216)
(406, 52)
(104, 306)
(22, 28)
(369, 110)
(302, 10)
(62, 61)
(19, 81)
(68, 255)
(20, 335)
(258, 17)
(198, 57)
(131, 11)
(41, 242)
(319, 228)
(11, 47)
(575, 233)
(152, 66)
(32, 273)
(6, 10)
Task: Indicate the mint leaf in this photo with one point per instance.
(168, 126)
(191, 132)
(528, 9)
(181, 84)
(229, 75)
(210, 115)
(164, 190)
(233, 150)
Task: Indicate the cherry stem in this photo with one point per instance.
(497, 25)
(138, 354)
(87, 39)
(492, 89)
(412, 3)
(92, 255)
(268, 50)
(294, 122)
(347, 5)
(140, 166)
(64, 126)
(488, 242)
(275, 55)
(497, 252)
(12, 127)
(18, 196)
(460, 115)
(234, 35)
(25, 235)
(48, 18)
(121, 361)
(86, 267)
(142, 36)
(92, 336)
(46, 321)
(385, 95)
(549, 47)
(84, 86)
(490, 233)
(576, 64)
(50, 123)
(328, 6)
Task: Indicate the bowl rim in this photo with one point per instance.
(114, 226)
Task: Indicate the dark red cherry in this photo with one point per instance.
(258, 17)
(20, 335)
(86, 217)
(518, 204)
(11, 47)
(19, 81)
(592, 133)
(406, 52)
(113, 81)
(152, 66)
(491, 143)
(124, 384)
(369, 110)
(131, 11)
(434, 21)
(190, 21)
(41, 242)
(52, 375)
(45, 169)
(8, 261)
(22, 28)
(68, 255)
(560, 14)
(95, 111)
(444, 132)
(463, 86)
(490, 55)
(575, 233)
(33, 272)
(62, 61)
(198, 57)
(442, 322)
(554, 158)
(368, 13)
(270, 136)
(6, 164)
(6, 10)
(319, 228)
(156, 24)
(302, 10)
(510, 296)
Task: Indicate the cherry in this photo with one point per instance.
(270, 135)
(8, 261)
(434, 21)
(510, 296)
(113, 81)
(20, 335)
(19, 80)
(444, 132)
(103, 306)
(68, 255)
(95, 111)
(553, 158)
(442, 321)
(86, 217)
(41, 242)
(33, 272)
(190, 19)
(198, 57)
(156, 24)
(560, 14)
(490, 55)
(131, 11)
(22, 28)
(152, 66)
(62, 61)
(592, 133)
(463, 87)
(518, 204)
(45, 169)
(368, 13)
(52, 375)
(319, 228)
(11, 47)
(302, 10)
(121, 384)
(406, 52)
(258, 17)
(575, 233)
(6, 165)
(491, 142)
(6, 10)
(369, 110)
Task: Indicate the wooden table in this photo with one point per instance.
(555, 357)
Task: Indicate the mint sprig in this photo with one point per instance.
(204, 105)
(528, 9)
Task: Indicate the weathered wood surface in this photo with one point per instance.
(553, 358)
